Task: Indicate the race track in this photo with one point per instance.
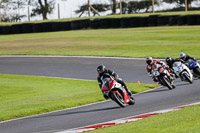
(131, 70)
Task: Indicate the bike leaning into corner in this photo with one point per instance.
(160, 74)
(194, 66)
(183, 72)
(114, 90)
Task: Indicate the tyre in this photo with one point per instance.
(186, 76)
(132, 101)
(118, 99)
(197, 71)
(167, 83)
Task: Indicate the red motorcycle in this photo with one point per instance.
(162, 75)
(116, 92)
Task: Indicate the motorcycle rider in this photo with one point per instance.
(150, 61)
(104, 73)
(185, 57)
(170, 61)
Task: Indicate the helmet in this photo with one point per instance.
(168, 60)
(149, 60)
(182, 55)
(100, 69)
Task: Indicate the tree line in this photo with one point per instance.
(45, 7)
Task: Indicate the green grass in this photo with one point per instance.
(112, 16)
(133, 42)
(186, 120)
(28, 95)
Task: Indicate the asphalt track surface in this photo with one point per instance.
(131, 70)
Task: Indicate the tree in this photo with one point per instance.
(137, 6)
(3, 5)
(114, 9)
(114, 6)
(43, 7)
(97, 7)
(124, 7)
(180, 2)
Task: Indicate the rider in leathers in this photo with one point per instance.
(185, 57)
(104, 73)
(170, 61)
(149, 61)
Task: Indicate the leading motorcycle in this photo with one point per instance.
(114, 90)
(194, 66)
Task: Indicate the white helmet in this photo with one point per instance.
(182, 55)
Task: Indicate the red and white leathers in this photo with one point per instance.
(149, 68)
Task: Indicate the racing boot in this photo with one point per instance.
(128, 92)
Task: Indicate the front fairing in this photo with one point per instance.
(105, 86)
(191, 64)
(178, 67)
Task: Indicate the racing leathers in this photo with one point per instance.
(170, 64)
(187, 57)
(106, 74)
(149, 69)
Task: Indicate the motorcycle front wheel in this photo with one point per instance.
(118, 99)
(167, 83)
(185, 75)
(132, 101)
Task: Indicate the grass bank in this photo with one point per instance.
(28, 95)
(182, 121)
(112, 16)
(133, 42)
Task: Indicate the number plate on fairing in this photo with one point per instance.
(156, 73)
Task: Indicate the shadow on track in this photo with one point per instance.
(162, 88)
(183, 84)
(79, 112)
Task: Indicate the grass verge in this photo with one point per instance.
(182, 121)
(112, 16)
(134, 42)
(28, 95)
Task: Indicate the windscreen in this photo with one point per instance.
(106, 82)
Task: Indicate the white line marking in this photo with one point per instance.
(33, 56)
(65, 78)
(67, 56)
(68, 108)
(124, 120)
(52, 56)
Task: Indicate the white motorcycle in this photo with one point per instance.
(183, 72)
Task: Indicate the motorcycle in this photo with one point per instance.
(162, 75)
(114, 90)
(183, 72)
(194, 66)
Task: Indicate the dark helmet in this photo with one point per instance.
(149, 60)
(101, 69)
(168, 60)
(182, 55)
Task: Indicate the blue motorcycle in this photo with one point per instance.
(194, 66)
